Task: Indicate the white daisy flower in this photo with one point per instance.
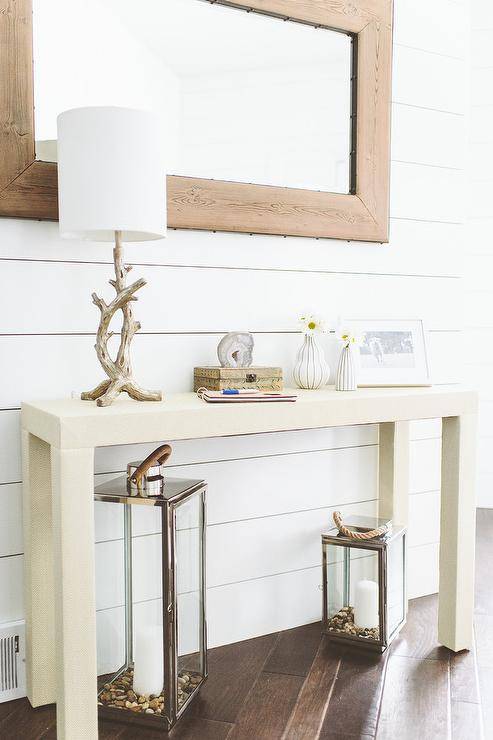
(311, 324)
(348, 338)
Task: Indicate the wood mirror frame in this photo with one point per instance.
(28, 188)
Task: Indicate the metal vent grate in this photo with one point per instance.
(9, 652)
(12, 669)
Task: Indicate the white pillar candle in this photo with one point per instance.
(149, 661)
(366, 604)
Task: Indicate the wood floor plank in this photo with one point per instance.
(311, 706)
(7, 708)
(188, 728)
(295, 650)
(233, 669)
(415, 701)
(419, 636)
(268, 707)
(484, 562)
(487, 711)
(463, 677)
(483, 620)
(192, 728)
(466, 721)
(346, 736)
(483, 629)
(356, 696)
(106, 731)
(110, 730)
(26, 723)
(486, 690)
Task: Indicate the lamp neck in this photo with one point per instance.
(118, 260)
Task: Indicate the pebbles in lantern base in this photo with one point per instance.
(343, 622)
(120, 693)
(311, 370)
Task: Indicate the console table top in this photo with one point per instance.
(72, 423)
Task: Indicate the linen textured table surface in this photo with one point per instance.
(59, 438)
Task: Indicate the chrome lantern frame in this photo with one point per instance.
(174, 492)
(379, 545)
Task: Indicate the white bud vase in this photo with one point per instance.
(311, 370)
(346, 371)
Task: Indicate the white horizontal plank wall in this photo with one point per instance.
(478, 337)
(270, 495)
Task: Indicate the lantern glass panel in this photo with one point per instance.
(110, 588)
(353, 593)
(190, 606)
(396, 587)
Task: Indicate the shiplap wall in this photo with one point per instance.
(479, 261)
(270, 495)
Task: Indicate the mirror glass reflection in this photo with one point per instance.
(243, 97)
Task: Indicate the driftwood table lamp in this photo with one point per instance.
(112, 188)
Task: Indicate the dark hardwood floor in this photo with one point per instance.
(295, 685)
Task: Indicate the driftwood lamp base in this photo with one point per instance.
(105, 393)
(118, 370)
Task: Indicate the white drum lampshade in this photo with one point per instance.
(111, 174)
(112, 188)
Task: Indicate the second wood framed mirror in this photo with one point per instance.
(277, 120)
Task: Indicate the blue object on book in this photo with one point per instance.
(230, 392)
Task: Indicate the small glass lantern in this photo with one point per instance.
(165, 659)
(364, 582)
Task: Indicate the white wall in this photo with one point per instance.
(479, 262)
(270, 496)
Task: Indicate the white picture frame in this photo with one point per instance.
(392, 352)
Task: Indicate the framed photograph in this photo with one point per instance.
(392, 352)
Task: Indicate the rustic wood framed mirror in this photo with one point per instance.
(286, 188)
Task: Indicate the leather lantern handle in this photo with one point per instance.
(158, 457)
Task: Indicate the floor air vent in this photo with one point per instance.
(12, 665)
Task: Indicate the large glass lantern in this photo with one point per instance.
(364, 583)
(165, 658)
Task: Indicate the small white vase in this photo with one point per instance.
(311, 370)
(346, 371)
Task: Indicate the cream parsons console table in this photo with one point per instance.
(59, 438)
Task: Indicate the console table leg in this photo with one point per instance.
(75, 607)
(38, 571)
(393, 472)
(457, 532)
